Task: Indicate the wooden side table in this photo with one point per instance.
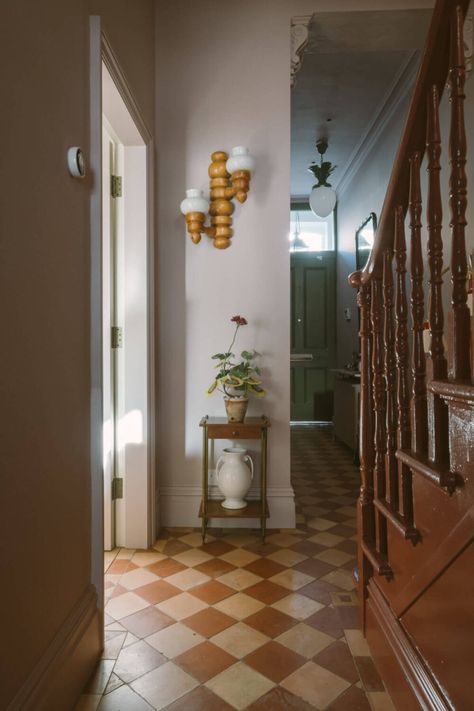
(220, 428)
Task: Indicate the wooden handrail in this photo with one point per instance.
(433, 71)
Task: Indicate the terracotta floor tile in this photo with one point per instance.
(353, 699)
(349, 616)
(157, 591)
(209, 622)
(274, 661)
(194, 539)
(200, 699)
(166, 567)
(262, 549)
(267, 592)
(239, 685)
(212, 592)
(147, 621)
(327, 620)
(315, 685)
(117, 590)
(279, 699)
(205, 661)
(339, 660)
(136, 660)
(215, 567)
(270, 622)
(314, 567)
(216, 548)
(319, 590)
(369, 675)
(264, 567)
(118, 567)
(174, 547)
(307, 548)
(284, 540)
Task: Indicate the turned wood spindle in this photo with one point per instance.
(436, 364)
(366, 434)
(402, 359)
(419, 425)
(390, 383)
(221, 207)
(459, 317)
(379, 397)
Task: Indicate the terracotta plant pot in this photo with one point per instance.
(236, 408)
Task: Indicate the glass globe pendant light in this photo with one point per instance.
(322, 199)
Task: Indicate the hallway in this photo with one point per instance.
(235, 624)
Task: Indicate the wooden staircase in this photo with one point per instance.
(416, 505)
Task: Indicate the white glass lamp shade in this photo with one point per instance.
(240, 159)
(322, 201)
(194, 202)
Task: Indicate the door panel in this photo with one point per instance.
(313, 334)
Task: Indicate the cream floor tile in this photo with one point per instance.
(239, 685)
(125, 553)
(124, 699)
(357, 643)
(239, 557)
(187, 579)
(239, 640)
(192, 557)
(316, 685)
(348, 511)
(130, 639)
(326, 538)
(297, 606)
(123, 605)
(341, 578)
(142, 558)
(101, 677)
(164, 685)
(88, 702)
(174, 640)
(160, 544)
(239, 579)
(239, 606)
(114, 642)
(305, 640)
(291, 579)
(380, 701)
(136, 578)
(181, 606)
(195, 539)
(287, 557)
(111, 578)
(321, 524)
(334, 557)
(284, 540)
(115, 626)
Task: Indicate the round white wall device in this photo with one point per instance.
(75, 162)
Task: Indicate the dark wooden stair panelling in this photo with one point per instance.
(416, 506)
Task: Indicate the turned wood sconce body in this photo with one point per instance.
(229, 178)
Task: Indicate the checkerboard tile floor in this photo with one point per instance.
(234, 624)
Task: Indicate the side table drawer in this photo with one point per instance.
(239, 430)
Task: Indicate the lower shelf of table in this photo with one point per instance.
(252, 510)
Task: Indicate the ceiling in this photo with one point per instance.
(352, 64)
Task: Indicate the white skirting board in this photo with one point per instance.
(179, 506)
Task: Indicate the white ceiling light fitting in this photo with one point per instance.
(322, 199)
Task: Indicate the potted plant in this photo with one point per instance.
(237, 378)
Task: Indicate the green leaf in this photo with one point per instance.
(248, 355)
(211, 389)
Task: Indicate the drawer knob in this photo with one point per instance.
(235, 433)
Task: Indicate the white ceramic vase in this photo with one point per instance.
(234, 476)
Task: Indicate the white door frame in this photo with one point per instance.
(102, 52)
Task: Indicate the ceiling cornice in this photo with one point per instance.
(299, 40)
(398, 90)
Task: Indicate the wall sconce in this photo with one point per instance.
(323, 198)
(229, 178)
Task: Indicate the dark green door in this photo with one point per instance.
(313, 334)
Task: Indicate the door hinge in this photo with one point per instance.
(117, 488)
(116, 186)
(116, 337)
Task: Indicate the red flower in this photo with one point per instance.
(240, 320)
